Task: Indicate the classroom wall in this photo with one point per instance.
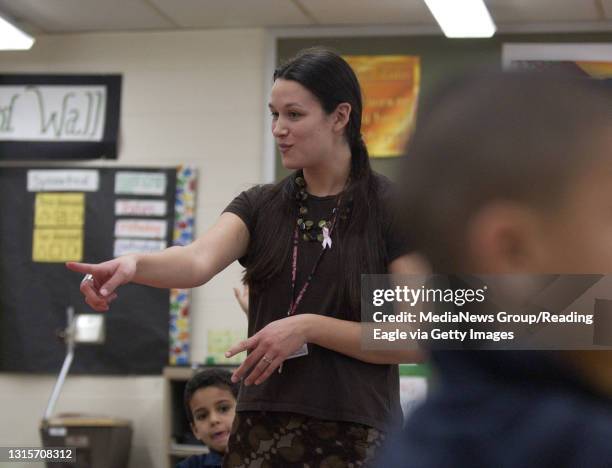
(188, 97)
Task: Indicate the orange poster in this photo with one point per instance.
(390, 87)
(596, 69)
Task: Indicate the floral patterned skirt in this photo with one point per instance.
(270, 439)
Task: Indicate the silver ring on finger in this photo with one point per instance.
(267, 360)
(88, 277)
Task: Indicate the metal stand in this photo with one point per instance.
(68, 335)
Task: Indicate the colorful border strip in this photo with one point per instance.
(184, 224)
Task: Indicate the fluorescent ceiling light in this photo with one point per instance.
(462, 18)
(12, 38)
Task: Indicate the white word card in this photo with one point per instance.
(140, 207)
(140, 183)
(63, 180)
(141, 228)
(131, 246)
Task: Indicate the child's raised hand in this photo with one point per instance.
(242, 296)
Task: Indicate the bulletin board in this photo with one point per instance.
(49, 215)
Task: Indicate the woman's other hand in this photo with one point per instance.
(269, 347)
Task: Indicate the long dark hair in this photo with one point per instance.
(332, 81)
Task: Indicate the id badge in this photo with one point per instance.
(303, 351)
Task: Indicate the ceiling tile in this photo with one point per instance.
(360, 12)
(233, 13)
(58, 16)
(543, 11)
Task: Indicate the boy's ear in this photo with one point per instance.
(341, 116)
(504, 237)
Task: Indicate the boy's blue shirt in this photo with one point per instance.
(206, 460)
(505, 409)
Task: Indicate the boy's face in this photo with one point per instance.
(213, 410)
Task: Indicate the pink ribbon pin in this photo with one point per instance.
(327, 242)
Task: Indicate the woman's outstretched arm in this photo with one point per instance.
(175, 267)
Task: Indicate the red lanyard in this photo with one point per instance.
(296, 301)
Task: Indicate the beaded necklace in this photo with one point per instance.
(311, 231)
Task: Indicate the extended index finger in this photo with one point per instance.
(239, 347)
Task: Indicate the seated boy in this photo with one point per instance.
(210, 404)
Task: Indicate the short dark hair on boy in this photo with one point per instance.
(219, 378)
(510, 136)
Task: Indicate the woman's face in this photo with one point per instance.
(302, 130)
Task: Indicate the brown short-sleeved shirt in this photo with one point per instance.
(324, 384)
